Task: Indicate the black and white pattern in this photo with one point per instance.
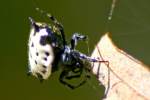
(48, 47)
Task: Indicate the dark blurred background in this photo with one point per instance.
(129, 27)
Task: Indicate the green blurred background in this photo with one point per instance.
(129, 27)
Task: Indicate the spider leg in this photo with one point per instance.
(57, 24)
(66, 76)
(62, 79)
(76, 74)
(83, 56)
(77, 71)
(71, 74)
(75, 38)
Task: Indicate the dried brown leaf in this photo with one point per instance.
(125, 78)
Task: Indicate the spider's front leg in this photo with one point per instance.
(57, 25)
(75, 38)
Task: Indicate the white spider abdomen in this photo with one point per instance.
(40, 56)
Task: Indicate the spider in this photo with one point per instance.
(47, 47)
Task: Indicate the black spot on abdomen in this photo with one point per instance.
(43, 71)
(45, 59)
(36, 28)
(47, 53)
(45, 40)
(49, 31)
(44, 66)
(35, 62)
(32, 45)
(37, 54)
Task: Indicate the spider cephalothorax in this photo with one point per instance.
(47, 47)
